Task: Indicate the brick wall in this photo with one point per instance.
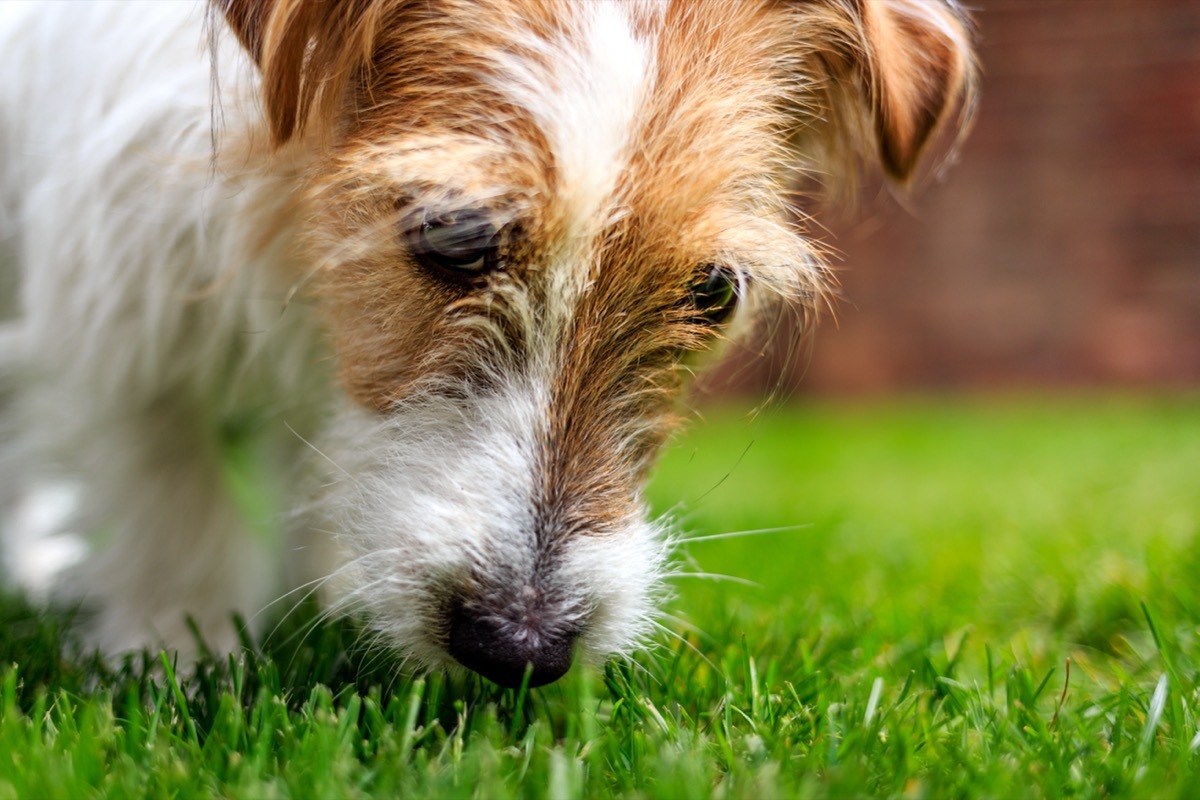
(1064, 247)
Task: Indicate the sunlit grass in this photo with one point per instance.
(923, 577)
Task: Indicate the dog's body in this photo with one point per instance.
(440, 261)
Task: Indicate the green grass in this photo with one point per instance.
(987, 600)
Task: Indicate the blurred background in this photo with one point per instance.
(1062, 251)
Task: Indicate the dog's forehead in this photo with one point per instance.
(585, 114)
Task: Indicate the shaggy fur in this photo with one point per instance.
(438, 264)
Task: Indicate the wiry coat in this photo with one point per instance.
(225, 225)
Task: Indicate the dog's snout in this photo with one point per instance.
(501, 650)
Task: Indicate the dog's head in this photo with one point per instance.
(527, 218)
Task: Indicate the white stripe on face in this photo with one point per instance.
(591, 109)
(584, 89)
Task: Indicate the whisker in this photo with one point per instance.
(317, 583)
(683, 640)
(682, 622)
(307, 630)
(726, 476)
(713, 576)
(319, 452)
(737, 534)
(337, 608)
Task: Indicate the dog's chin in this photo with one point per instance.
(446, 556)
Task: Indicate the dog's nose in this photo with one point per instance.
(501, 651)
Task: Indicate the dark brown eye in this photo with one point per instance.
(714, 297)
(461, 244)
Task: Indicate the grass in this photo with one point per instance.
(989, 600)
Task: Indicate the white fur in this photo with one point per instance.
(144, 326)
(585, 92)
(41, 545)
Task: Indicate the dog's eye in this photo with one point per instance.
(461, 243)
(714, 297)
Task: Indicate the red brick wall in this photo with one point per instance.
(1064, 247)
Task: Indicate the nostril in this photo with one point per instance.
(501, 651)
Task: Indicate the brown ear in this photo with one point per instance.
(895, 73)
(920, 69)
(309, 53)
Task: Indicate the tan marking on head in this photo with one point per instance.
(445, 103)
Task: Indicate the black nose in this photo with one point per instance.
(501, 651)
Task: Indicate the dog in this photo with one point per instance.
(436, 270)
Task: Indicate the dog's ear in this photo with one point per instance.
(309, 53)
(896, 73)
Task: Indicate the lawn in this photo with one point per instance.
(927, 599)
